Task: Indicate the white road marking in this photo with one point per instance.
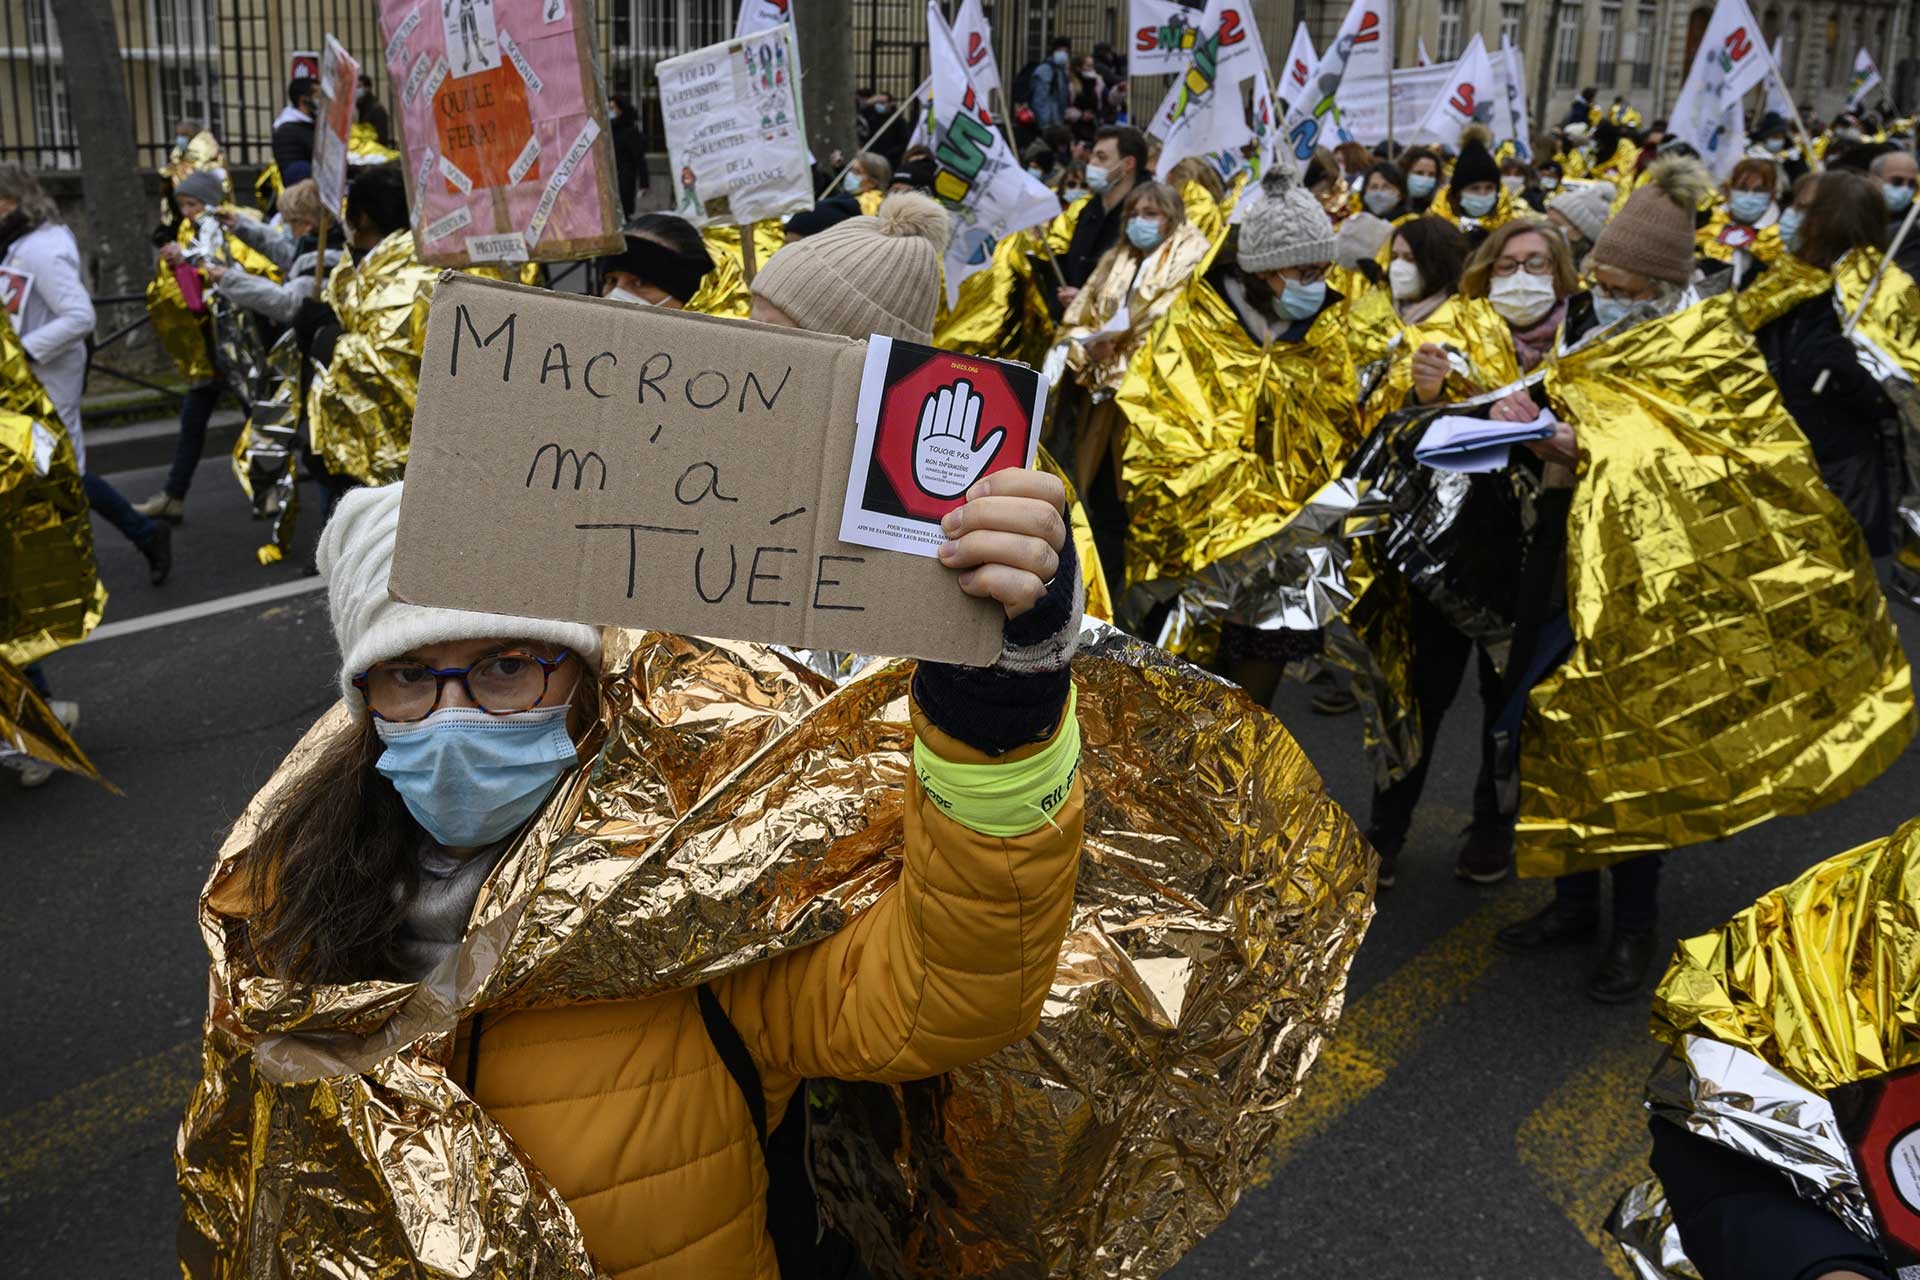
(207, 608)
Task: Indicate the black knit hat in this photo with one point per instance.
(1475, 164)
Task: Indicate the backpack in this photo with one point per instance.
(803, 1242)
(1021, 90)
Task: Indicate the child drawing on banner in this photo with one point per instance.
(471, 21)
(555, 10)
(689, 200)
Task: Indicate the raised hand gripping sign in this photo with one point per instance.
(930, 425)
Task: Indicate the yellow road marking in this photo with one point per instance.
(92, 1126)
(1588, 1141)
(1380, 1027)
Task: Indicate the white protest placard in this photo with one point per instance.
(736, 139)
(339, 81)
(578, 458)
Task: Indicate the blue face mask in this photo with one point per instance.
(853, 183)
(1075, 193)
(1478, 206)
(1790, 228)
(1748, 206)
(1608, 310)
(471, 778)
(1143, 233)
(1898, 198)
(1302, 301)
(1420, 185)
(1059, 57)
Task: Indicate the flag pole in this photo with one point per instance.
(1799, 126)
(898, 111)
(1393, 56)
(1006, 126)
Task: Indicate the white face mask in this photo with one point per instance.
(1514, 183)
(1521, 299)
(1404, 279)
(627, 295)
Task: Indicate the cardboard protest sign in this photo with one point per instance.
(499, 112)
(736, 138)
(584, 459)
(1880, 1119)
(931, 424)
(339, 83)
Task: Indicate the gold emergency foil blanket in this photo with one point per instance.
(736, 805)
(182, 333)
(1227, 437)
(724, 291)
(1146, 287)
(1812, 987)
(29, 728)
(360, 407)
(50, 591)
(1732, 657)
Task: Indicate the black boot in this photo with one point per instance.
(1560, 923)
(1622, 971)
(1485, 855)
(159, 553)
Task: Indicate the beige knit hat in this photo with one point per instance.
(369, 625)
(866, 275)
(1653, 234)
(1285, 227)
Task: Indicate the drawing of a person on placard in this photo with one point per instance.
(689, 199)
(468, 26)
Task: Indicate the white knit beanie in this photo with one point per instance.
(356, 555)
(1286, 227)
(865, 275)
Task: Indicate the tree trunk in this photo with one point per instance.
(824, 30)
(1543, 77)
(110, 178)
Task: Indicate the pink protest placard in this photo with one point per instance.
(339, 73)
(501, 117)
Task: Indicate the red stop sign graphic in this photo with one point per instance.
(902, 454)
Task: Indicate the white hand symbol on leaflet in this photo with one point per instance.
(945, 461)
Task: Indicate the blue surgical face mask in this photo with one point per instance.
(1748, 206)
(852, 183)
(1478, 206)
(1381, 203)
(1790, 228)
(1301, 301)
(1609, 310)
(1144, 233)
(1099, 177)
(1898, 198)
(1420, 185)
(1775, 145)
(1059, 57)
(470, 778)
(1073, 194)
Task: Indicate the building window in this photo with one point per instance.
(1566, 68)
(1609, 52)
(190, 94)
(1449, 42)
(646, 31)
(1644, 37)
(184, 24)
(39, 23)
(1511, 16)
(52, 122)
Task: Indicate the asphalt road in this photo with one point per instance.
(1475, 1117)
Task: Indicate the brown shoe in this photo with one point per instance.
(1485, 856)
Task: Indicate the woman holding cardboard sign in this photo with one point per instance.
(403, 867)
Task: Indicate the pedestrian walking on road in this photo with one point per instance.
(54, 322)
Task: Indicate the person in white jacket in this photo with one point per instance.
(54, 322)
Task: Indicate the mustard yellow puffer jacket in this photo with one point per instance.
(628, 1110)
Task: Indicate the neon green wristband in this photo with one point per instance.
(1009, 799)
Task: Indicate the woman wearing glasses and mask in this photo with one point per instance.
(1636, 718)
(372, 856)
(1239, 409)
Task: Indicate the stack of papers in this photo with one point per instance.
(1477, 444)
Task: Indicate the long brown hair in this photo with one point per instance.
(331, 868)
(1847, 212)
